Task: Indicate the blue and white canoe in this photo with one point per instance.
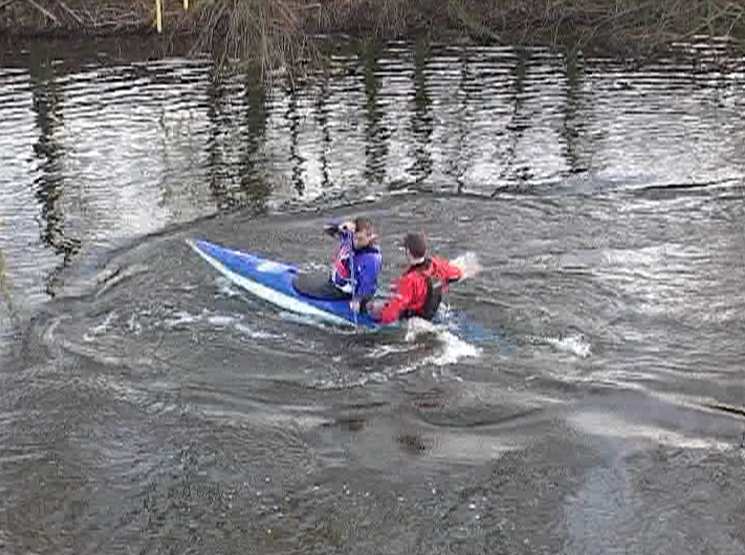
(276, 282)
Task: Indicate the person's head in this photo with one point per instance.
(415, 245)
(364, 233)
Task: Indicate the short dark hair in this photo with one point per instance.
(416, 244)
(363, 224)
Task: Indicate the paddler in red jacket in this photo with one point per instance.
(418, 292)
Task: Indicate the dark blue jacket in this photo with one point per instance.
(367, 263)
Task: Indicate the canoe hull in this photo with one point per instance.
(273, 282)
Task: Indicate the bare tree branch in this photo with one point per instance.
(6, 3)
(75, 16)
(43, 10)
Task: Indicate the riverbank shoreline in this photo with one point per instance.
(280, 32)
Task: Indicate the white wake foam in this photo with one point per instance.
(574, 344)
(235, 321)
(468, 263)
(101, 328)
(453, 348)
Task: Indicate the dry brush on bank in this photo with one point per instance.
(278, 32)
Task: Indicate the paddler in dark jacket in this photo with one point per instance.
(418, 292)
(357, 260)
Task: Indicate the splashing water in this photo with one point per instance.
(227, 288)
(577, 344)
(453, 347)
(101, 328)
(468, 263)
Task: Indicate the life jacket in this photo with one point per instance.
(434, 292)
(341, 271)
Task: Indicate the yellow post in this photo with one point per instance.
(186, 5)
(159, 15)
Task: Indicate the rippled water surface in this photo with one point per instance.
(583, 395)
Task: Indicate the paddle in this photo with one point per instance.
(352, 278)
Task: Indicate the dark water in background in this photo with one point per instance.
(585, 397)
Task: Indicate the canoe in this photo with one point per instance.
(283, 285)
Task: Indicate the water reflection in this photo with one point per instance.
(376, 135)
(457, 165)
(574, 126)
(422, 119)
(215, 166)
(237, 116)
(321, 112)
(517, 125)
(253, 183)
(296, 159)
(150, 143)
(49, 185)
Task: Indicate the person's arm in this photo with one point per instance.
(468, 264)
(393, 308)
(333, 229)
(450, 271)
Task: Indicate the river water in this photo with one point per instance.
(584, 395)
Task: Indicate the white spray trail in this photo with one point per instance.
(468, 263)
(453, 347)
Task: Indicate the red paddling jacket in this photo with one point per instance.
(419, 291)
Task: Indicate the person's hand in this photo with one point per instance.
(468, 264)
(347, 227)
(374, 308)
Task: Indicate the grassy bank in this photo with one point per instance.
(279, 31)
